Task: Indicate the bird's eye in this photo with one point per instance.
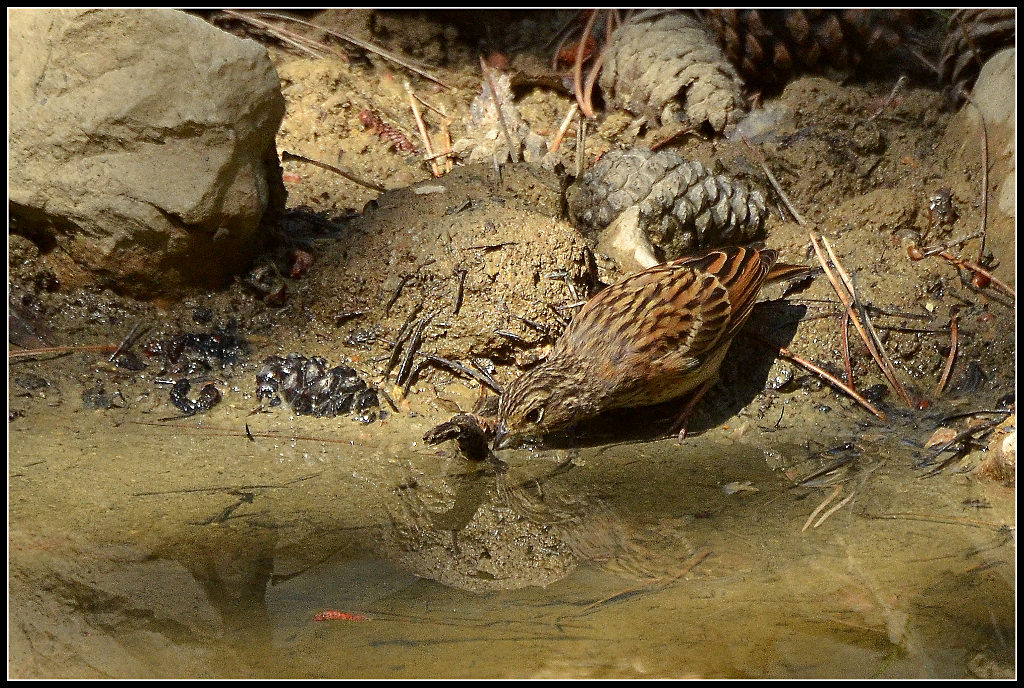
(534, 415)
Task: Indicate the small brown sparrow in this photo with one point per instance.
(655, 336)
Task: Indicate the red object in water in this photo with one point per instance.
(302, 261)
(333, 615)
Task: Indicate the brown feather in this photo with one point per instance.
(654, 336)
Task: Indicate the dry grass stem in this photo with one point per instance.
(774, 182)
(892, 96)
(434, 169)
(685, 129)
(285, 155)
(843, 289)
(847, 363)
(446, 139)
(953, 343)
(512, 149)
(377, 50)
(577, 67)
(588, 86)
(829, 377)
(436, 110)
(557, 142)
(21, 353)
(309, 46)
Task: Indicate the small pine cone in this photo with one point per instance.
(485, 140)
(659, 63)
(769, 47)
(674, 206)
(972, 37)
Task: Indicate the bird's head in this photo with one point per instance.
(544, 399)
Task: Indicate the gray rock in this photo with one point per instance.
(141, 144)
(995, 96)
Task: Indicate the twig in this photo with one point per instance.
(400, 340)
(397, 292)
(978, 270)
(391, 57)
(21, 353)
(953, 342)
(124, 342)
(846, 348)
(512, 150)
(892, 96)
(558, 48)
(689, 566)
(457, 367)
(831, 379)
(588, 86)
(916, 253)
(491, 382)
(563, 29)
(774, 182)
(938, 518)
(577, 67)
(285, 155)
(298, 41)
(890, 370)
(936, 452)
(230, 489)
(404, 372)
(434, 169)
(557, 142)
(847, 280)
(685, 129)
(925, 61)
(217, 432)
(437, 111)
(834, 466)
(581, 144)
(847, 297)
(967, 414)
(462, 272)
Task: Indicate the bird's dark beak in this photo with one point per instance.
(501, 437)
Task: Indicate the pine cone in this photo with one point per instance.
(484, 140)
(972, 37)
(769, 47)
(666, 205)
(660, 63)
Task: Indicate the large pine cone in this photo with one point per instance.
(643, 208)
(769, 47)
(972, 37)
(665, 66)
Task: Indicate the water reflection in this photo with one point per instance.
(493, 528)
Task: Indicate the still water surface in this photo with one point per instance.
(190, 550)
